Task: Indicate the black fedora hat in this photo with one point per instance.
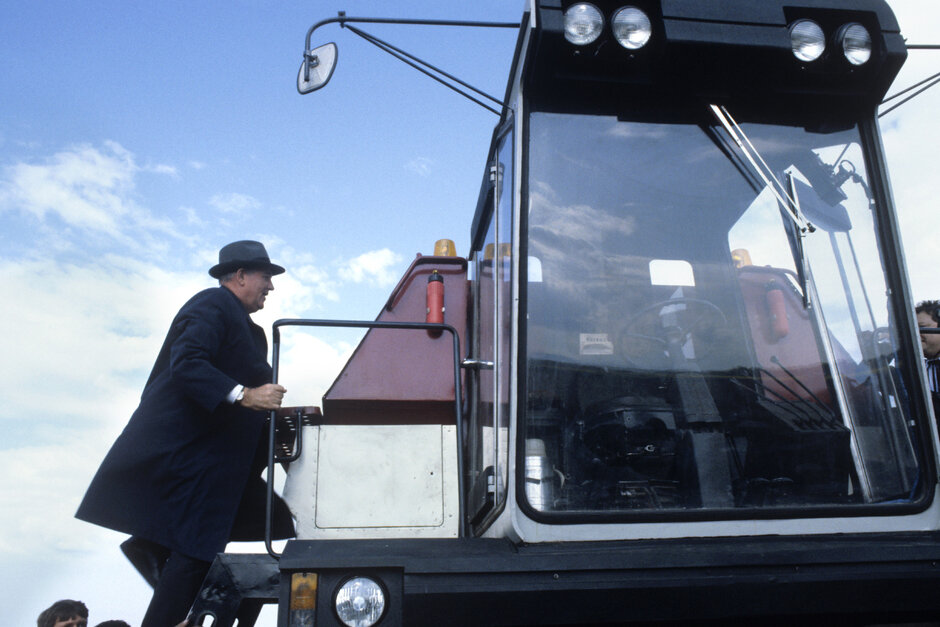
(246, 254)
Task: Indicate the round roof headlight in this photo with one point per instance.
(856, 43)
(360, 602)
(631, 28)
(807, 40)
(583, 23)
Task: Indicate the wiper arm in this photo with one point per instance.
(723, 143)
(786, 196)
(781, 193)
(796, 235)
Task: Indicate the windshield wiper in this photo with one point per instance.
(782, 194)
(796, 235)
(786, 196)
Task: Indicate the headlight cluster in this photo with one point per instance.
(357, 601)
(808, 41)
(584, 23)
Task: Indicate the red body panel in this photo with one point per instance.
(781, 329)
(404, 376)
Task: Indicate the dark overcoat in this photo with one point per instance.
(178, 472)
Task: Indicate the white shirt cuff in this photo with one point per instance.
(234, 394)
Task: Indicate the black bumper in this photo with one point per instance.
(853, 579)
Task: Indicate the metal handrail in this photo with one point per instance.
(298, 440)
(370, 324)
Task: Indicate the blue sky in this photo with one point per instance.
(136, 139)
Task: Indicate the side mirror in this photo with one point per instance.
(317, 68)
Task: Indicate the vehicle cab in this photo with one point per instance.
(687, 278)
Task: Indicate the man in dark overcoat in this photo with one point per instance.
(184, 476)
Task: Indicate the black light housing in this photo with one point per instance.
(732, 49)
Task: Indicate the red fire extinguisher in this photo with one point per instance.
(435, 297)
(777, 309)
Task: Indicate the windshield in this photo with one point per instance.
(706, 318)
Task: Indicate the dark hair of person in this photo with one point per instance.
(930, 307)
(61, 610)
(113, 623)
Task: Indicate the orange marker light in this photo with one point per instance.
(445, 248)
(303, 591)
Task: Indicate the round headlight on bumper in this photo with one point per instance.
(360, 602)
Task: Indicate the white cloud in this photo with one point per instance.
(81, 330)
(420, 166)
(297, 294)
(86, 187)
(39, 518)
(240, 205)
(309, 364)
(911, 134)
(71, 374)
(192, 217)
(163, 168)
(375, 267)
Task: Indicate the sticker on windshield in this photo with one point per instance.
(596, 344)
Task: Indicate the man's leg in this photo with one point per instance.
(147, 557)
(175, 591)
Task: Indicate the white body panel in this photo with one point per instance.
(525, 529)
(387, 481)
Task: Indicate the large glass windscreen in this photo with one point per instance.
(707, 325)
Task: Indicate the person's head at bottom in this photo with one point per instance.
(64, 613)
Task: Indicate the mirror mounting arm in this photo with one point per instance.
(342, 19)
(308, 80)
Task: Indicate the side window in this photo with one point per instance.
(490, 347)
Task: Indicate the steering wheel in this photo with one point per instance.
(878, 343)
(646, 339)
